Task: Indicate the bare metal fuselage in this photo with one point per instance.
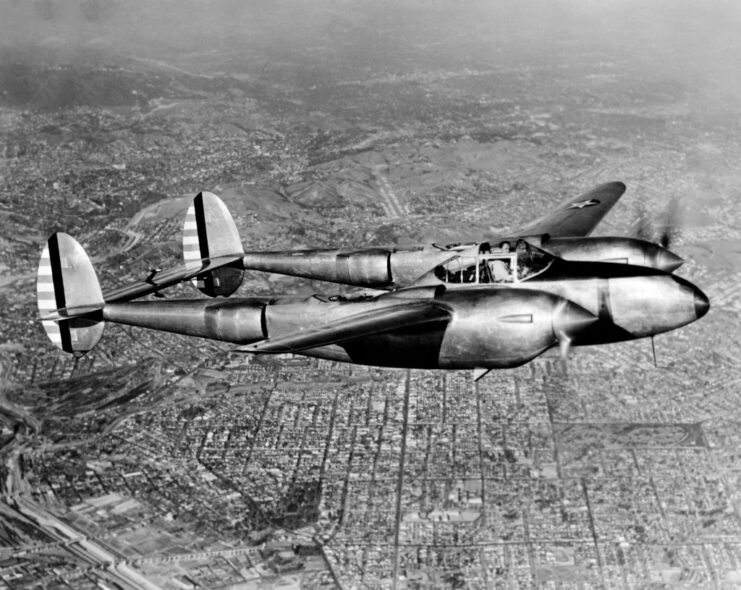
(483, 326)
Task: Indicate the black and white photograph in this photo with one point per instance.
(370, 294)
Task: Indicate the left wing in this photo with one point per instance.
(578, 216)
(354, 326)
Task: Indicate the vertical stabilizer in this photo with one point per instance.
(210, 232)
(67, 284)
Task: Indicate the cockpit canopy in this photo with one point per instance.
(495, 264)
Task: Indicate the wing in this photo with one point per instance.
(352, 327)
(167, 278)
(578, 216)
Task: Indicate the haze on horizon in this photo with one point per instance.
(690, 45)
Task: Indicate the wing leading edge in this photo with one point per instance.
(356, 326)
(576, 217)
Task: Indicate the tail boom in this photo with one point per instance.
(240, 321)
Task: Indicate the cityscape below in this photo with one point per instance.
(162, 461)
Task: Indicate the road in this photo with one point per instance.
(89, 550)
(390, 201)
(15, 499)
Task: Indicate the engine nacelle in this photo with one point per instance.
(613, 249)
(508, 327)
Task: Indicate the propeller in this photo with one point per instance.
(569, 321)
(662, 229)
(564, 345)
(673, 220)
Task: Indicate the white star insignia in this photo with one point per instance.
(582, 204)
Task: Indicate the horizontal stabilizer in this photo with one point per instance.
(352, 327)
(67, 287)
(209, 232)
(166, 278)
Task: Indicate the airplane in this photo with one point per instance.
(482, 306)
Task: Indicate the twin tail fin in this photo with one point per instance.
(70, 299)
(210, 232)
(69, 296)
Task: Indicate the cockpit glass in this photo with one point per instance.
(495, 265)
(460, 269)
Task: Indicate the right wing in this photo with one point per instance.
(578, 216)
(355, 326)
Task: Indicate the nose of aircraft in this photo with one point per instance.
(702, 303)
(667, 260)
(697, 300)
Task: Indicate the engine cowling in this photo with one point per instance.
(508, 327)
(614, 249)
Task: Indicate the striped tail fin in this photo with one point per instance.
(209, 231)
(68, 287)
